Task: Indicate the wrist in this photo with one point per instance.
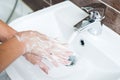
(10, 50)
(6, 32)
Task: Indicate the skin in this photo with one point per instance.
(7, 47)
(11, 49)
(6, 32)
(9, 52)
(17, 49)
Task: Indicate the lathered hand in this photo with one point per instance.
(39, 46)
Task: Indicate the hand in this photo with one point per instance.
(36, 60)
(42, 46)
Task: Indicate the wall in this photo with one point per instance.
(112, 14)
(40, 4)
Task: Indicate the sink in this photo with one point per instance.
(97, 56)
(101, 66)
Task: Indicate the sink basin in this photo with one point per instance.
(97, 56)
(101, 66)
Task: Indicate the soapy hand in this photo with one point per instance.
(39, 46)
(36, 60)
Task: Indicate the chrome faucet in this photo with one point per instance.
(92, 23)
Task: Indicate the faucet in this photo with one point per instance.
(92, 23)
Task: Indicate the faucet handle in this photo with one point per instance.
(87, 9)
(95, 16)
(95, 7)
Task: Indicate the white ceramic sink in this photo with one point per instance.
(98, 59)
(101, 66)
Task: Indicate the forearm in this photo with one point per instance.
(9, 51)
(6, 32)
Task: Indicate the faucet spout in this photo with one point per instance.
(92, 23)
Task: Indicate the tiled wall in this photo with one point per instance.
(40, 4)
(112, 14)
(81, 3)
(113, 3)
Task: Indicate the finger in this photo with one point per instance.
(48, 56)
(64, 50)
(36, 60)
(64, 62)
(51, 59)
(44, 67)
(62, 54)
(55, 63)
(33, 58)
(59, 55)
(68, 53)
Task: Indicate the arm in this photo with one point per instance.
(6, 32)
(13, 47)
(10, 51)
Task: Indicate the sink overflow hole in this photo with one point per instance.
(82, 42)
